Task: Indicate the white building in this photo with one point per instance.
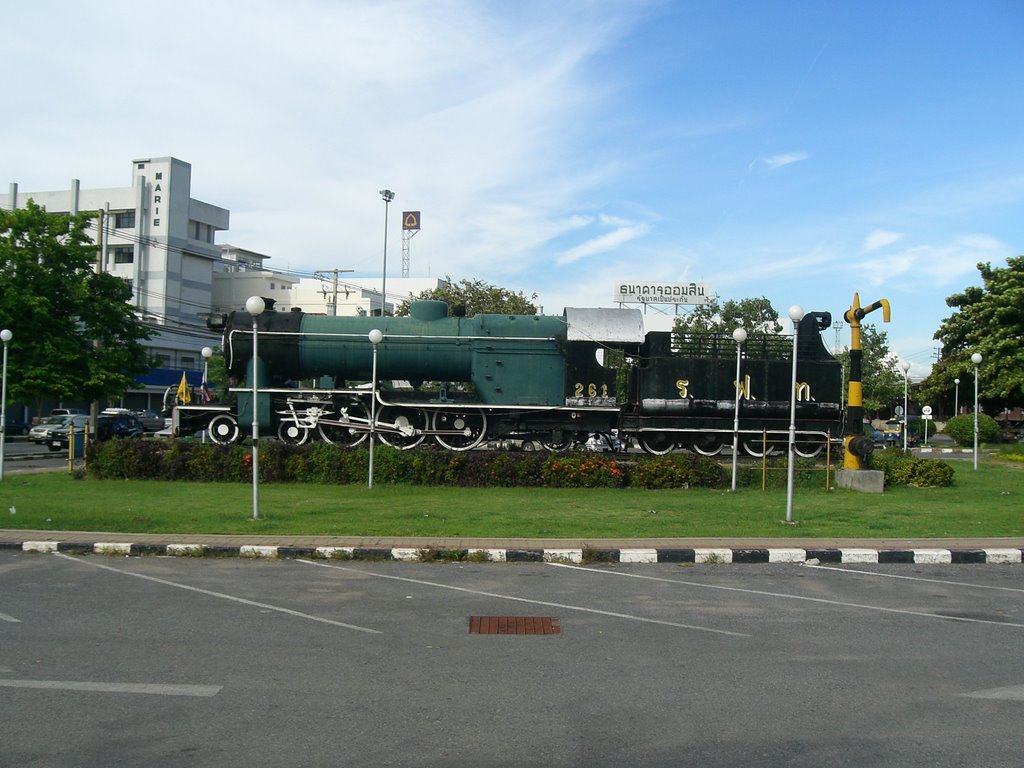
(160, 240)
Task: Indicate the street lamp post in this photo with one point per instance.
(207, 353)
(976, 359)
(796, 314)
(739, 336)
(956, 397)
(387, 195)
(905, 365)
(5, 336)
(255, 306)
(375, 337)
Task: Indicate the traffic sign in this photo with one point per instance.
(927, 410)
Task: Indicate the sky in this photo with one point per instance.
(799, 151)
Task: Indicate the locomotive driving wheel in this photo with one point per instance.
(757, 448)
(348, 428)
(708, 445)
(460, 430)
(808, 450)
(402, 428)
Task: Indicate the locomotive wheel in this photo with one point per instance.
(756, 448)
(346, 436)
(291, 433)
(557, 447)
(466, 429)
(808, 450)
(708, 445)
(657, 443)
(410, 424)
(223, 429)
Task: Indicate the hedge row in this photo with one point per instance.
(327, 464)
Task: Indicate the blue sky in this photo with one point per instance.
(795, 150)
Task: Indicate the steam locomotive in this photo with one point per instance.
(555, 380)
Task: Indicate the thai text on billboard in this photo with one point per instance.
(662, 293)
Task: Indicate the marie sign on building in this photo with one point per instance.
(661, 293)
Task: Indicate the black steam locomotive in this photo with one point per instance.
(555, 380)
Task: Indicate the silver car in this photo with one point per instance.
(40, 433)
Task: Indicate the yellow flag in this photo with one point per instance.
(184, 393)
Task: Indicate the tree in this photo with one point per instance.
(477, 297)
(989, 320)
(74, 334)
(881, 379)
(757, 316)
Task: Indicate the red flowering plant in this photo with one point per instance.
(583, 471)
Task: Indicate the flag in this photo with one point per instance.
(184, 393)
(204, 392)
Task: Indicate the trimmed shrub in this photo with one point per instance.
(582, 471)
(961, 429)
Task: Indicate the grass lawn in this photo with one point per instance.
(986, 503)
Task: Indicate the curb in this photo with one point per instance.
(722, 555)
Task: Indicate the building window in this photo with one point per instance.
(124, 220)
(163, 360)
(187, 361)
(124, 254)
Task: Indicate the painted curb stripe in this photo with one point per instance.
(741, 555)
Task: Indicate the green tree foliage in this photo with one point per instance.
(478, 297)
(881, 378)
(757, 316)
(74, 334)
(988, 320)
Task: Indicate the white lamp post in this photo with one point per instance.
(976, 359)
(956, 397)
(796, 314)
(387, 195)
(207, 353)
(375, 337)
(739, 336)
(905, 365)
(5, 336)
(255, 306)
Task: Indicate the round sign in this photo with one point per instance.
(898, 410)
(926, 410)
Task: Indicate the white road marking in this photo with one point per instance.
(150, 688)
(545, 603)
(784, 596)
(5, 617)
(912, 578)
(222, 596)
(1009, 693)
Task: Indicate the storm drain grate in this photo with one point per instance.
(514, 625)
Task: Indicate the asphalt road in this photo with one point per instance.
(201, 662)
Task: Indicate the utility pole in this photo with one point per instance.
(322, 275)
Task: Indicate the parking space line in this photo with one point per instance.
(784, 596)
(548, 604)
(159, 689)
(222, 596)
(913, 578)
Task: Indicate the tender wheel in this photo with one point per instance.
(462, 430)
(223, 429)
(346, 435)
(808, 450)
(557, 446)
(708, 447)
(657, 443)
(291, 433)
(756, 448)
(402, 428)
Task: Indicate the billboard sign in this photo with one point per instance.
(636, 292)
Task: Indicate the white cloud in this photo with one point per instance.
(935, 265)
(778, 161)
(603, 243)
(879, 239)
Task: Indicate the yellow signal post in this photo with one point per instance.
(858, 447)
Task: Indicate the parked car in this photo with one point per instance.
(151, 420)
(67, 412)
(40, 433)
(15, 425)
(108, 427)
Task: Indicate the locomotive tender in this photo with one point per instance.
(460, 381)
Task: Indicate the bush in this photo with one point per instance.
(582, 471)
(961, 429)
(904, 469)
